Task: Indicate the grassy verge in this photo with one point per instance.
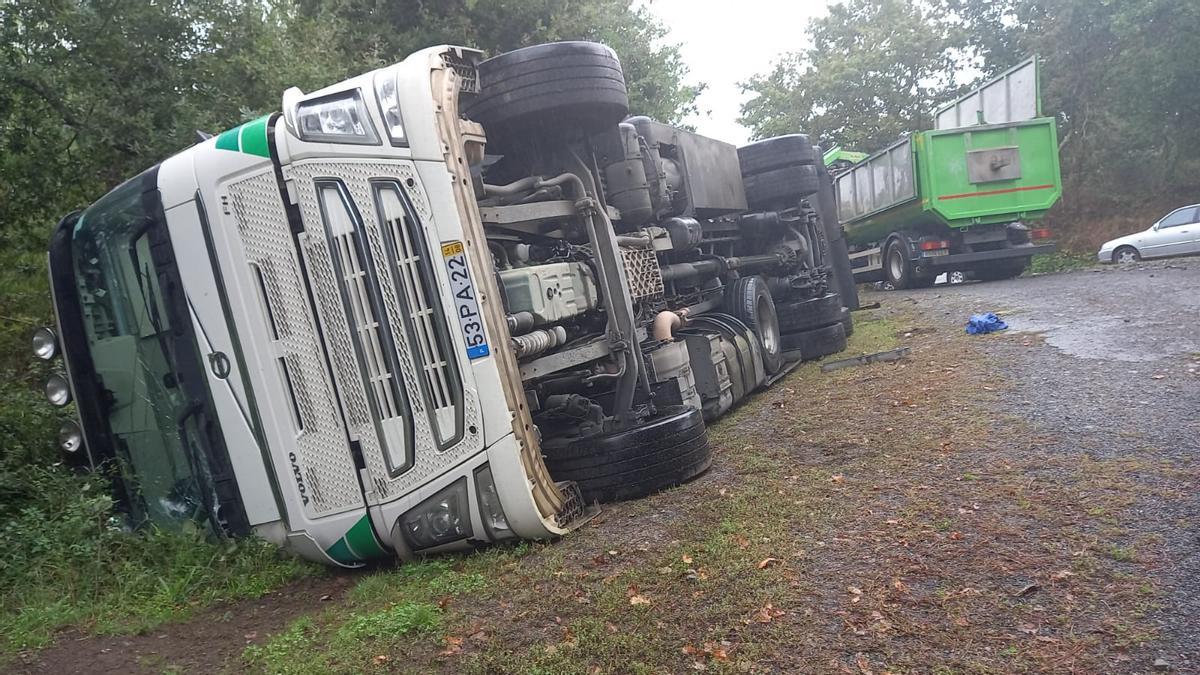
(1061, 261)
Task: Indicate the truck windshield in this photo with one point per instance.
(132, 339)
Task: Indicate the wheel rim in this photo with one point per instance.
(768, 326)
(956, 278)
(1126, 256)
(895, 263)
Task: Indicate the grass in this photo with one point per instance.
(1061, 261)
(134, 583)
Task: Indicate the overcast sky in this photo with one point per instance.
(725, 42)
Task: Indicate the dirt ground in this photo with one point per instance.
(1018, 502)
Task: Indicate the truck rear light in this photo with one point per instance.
(1041, 233)
(934, 245)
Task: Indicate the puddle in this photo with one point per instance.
(1107, 338)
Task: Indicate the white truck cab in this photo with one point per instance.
(331, 328)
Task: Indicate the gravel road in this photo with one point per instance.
(1107, 361)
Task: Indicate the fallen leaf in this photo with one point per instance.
(1061, 574)
(687, 559)
(899, 586)
(382, 658)
(765, 614)
(837, 478)
(1028, 629)
(639, 600)
(768, 562)
(956, 535)
(741, 541)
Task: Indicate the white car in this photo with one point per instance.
(1177, 233)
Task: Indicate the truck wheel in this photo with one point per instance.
(749, 299)
(897, 268)
(776, 153)
(814, 344)
(552, 86)
(795, 317)
(1007, 269)
(787, 184)
(664, 452)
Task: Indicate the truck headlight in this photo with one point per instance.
(45, 343)
(490, 509)
(58, 390)
(440, 519)
(338, 118)
(389, 106)
(70, 437)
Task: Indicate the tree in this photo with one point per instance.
(378, 32)
(876, 69)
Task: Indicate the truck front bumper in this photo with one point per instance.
(965, 260)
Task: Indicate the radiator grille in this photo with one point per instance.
(321, 453)
(415, 365)
(407, 250)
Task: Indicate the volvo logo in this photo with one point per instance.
(219, 363)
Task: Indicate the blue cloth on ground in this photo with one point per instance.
(985, 323)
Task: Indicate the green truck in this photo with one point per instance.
(957, 198)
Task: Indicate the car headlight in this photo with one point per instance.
(338, 118)
(70, 437)
(58, 390)
(389, 106)
(490, 509)
(45, 343)
(443, 518)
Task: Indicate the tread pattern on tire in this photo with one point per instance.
(814, 344)
(631, 463)
(789, 183)
(795, 317)
(776, 153)
(741, 301)
(580, 84)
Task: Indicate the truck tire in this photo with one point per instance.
(664, 452)
(552, 86)
(1006, 269)
(813, 344)
(750, 300)
(776, 153)
(796, 317)
(898, 269)
(787, 184)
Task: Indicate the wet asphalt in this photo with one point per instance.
(1108, 361)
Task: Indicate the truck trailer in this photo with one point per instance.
(447, 302)
(964, 197)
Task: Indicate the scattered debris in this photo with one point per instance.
(1162, 664)
(881, 357)
(979, 324)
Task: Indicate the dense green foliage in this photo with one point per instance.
(93, 92)
(1120, 77)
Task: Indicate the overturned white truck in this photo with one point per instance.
(447, 302)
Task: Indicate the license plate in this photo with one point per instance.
(937, 252)
(465, 305)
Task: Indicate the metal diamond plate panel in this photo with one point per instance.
(356, 176)
(321, 450)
